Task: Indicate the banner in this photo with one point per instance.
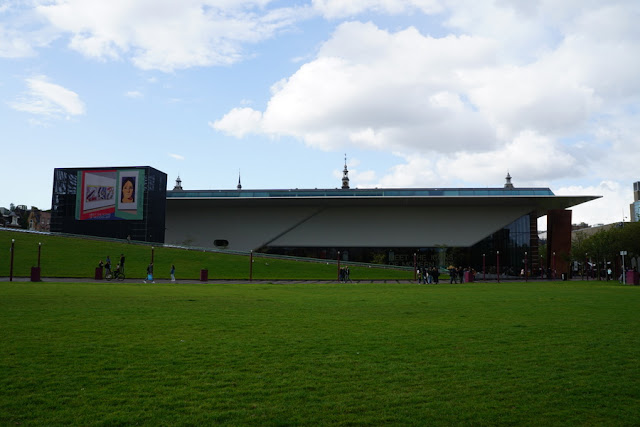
(110, 194)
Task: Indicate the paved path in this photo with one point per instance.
(194, 281)
(241, 281)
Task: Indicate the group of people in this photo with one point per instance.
(344, 275)
(172, 273)
(457, 274)
(428, 275)
(432, 274)
(107, 265)
(120, 269)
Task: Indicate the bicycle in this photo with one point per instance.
(115, 275)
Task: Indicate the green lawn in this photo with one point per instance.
(554, 353)
(77, 257)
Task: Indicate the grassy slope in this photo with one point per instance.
(481, 354)
(72, 257)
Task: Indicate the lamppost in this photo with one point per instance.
(152, 249)
(526, 271)
(13, 241)
(586, 264)
(251, 266)
(39, 250)
(338, 266)
(498, 264)
(553, 267)
(484, 263)
(415, 272)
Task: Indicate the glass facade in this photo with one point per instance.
(507, 248)
(635, 211)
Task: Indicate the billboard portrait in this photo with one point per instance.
(110, 194)
(129, 194)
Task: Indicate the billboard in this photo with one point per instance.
(110, 194)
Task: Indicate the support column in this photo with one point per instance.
(559, 240)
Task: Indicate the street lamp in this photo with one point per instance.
(415, 272)
(586, 263)
(526, 279)
(498, 264)
(13, 241)
(553, 267)
(39, 250)
(251, 266)
(338, 266)
(484, 256)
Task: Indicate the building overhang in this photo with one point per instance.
(537, 200)
(250, 219)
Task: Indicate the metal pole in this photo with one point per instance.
(484, 263)
(251, 266)
(498, 264)
(338, 266)
(624, 273)
(13, 241)
(586, 264)
(526, 276)
(553, 267)
(414, 267)
(152, 250)
(39, 250)
(542, 268)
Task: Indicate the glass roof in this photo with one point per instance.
(370, 192)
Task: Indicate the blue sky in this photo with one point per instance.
(417, 93)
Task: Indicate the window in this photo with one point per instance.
(220, 243)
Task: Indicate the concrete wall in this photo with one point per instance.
(248, 225)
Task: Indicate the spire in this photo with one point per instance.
(178, 186)
(345, 175)
(508, 184)
(239, 187)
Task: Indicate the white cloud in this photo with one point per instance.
(19, 37)
(367, 87)
(239, 122)
(49, 99)
(134, 94)
(176, 156)
(613, 206)
(166, 35)
(13, 44)
(525, 87)
(333, 9)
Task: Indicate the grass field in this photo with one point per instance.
(554, 353)
(76, 257)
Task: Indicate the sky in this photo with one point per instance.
(415, 93)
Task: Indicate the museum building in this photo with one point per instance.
(482, 228)
(492, 228)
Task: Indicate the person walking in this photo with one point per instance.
(149, 273)
(452, 274)
(122, 263)
(173, 273)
